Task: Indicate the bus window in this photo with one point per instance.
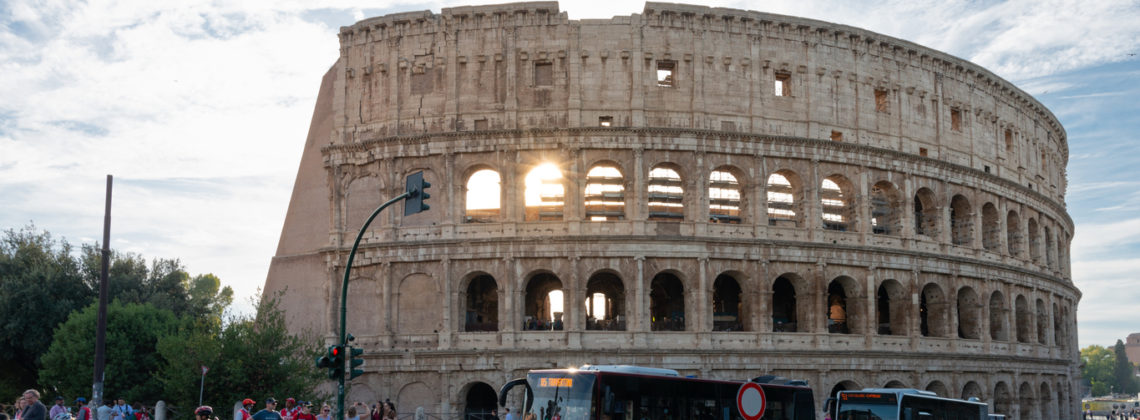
(565, 395)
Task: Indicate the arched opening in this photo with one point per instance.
(605, 303)
(783, 193)
(544, 194)
(666, 195)
(1027, 403)
(991, 228)
(481, 400)
(972, 390)
(483, 202)
(1048, 406)
(667, 303)
(728, 305)
(836, 197)
(886, 209)
(841, 302)
(969, 314)
(891, 307)
(842, 386)
(939, 388)
(1062, 403)
(1024, 319)
(605, 193)
(895, 385)
(1049, 253)
(1013, 232)
(544, 303)
(724, 197)
(482, 304)
(1057, 341)
(926, 218)
(961, 221)
(1042, 323)
(1034, 241)
(1003, 400)
(783, 306)
(998, 329)
(932, 311)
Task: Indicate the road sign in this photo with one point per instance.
(205, 369)
(750, 401)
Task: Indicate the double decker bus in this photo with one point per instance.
(618, 392)
(903, 404)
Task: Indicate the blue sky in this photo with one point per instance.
(200, 109)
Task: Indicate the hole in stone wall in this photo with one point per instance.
(956, 119)
(728, 310)
(836, 135)
(886, 209)
(1008, 140)
(667, 303)
(665, 73)
(922, 151)
(482, 299)
(783, 306)
(783, 85)
(605, 121)
(961, 221)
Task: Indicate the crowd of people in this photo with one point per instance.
(29, 407)
(307, 410)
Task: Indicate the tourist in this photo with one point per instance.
(306, 412)
(325, 413)
(122, 411)
(140, 412)
(269, 412)
(510, 415)
(205, 412)
(290, 409)
(34, 409)
(58, 409)
(82, 412)
(20, 406)
(246, 405)
(389, 411)
(351, 414)
(105, 412)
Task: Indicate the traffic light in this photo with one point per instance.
(336, 362)
(355, 361)
(417, 194)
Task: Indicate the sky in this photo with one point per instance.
(200, 110)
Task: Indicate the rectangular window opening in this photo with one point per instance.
(956, 119)
(881, 100)
(605, 121)
(1008, 140)
(783, 86)
(987, 169)
(665, 73)
(481, 124)
(922, 151)
(836, 135)
(543, 73)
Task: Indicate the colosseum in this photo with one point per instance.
(717, 191)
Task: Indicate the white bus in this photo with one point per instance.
(902, 404)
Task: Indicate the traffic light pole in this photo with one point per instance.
(342, 341)
(415, 194)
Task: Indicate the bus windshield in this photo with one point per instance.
(561, 395)
(867, 406)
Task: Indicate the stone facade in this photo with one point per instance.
(747, 193)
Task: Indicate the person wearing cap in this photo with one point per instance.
(246, 405)
(269, 412)
(290, 409)
(82, 412)
(58, 409)
(204, 412)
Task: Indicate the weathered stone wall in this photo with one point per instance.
(971, 296)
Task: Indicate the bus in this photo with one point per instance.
(903, 404)
(622, 392)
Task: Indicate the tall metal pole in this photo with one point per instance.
(101, 326)
(344, 297)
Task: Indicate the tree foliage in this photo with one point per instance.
(1123, 379)
(133, 332)
(40, 285)
(252, 356)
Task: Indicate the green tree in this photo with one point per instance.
(1098, 363)
(1123, 378)
(251, 356)
(133, 332)
(40, 285)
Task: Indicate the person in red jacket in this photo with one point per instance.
(246, 405)
(306, 412)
